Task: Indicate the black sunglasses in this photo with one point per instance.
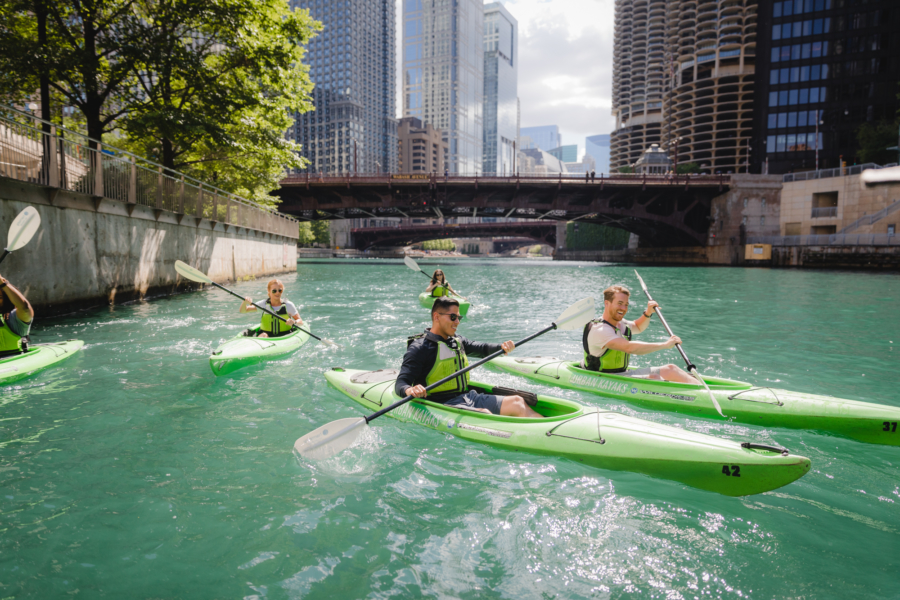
(274, 291)
(453, 316)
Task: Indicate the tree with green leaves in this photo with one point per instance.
(874, 139)
(321, 231)
(685, 168)
(305, 237)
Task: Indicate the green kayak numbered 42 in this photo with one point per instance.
(244, 350)
(595, 437)
(427, 300)
(38, 357)
(741, 402)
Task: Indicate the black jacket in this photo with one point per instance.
(420, 358)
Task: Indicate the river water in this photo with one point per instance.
(130, 471)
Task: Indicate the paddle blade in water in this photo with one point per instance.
(577, 315)
(189, 272)
(331, 439)
(23, 228)
(409, 262)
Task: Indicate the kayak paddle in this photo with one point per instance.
(692, 368)
(409, 262)
(21, 230)
(337, 436)
(189, 272)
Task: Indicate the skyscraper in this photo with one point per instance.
(638, 73)
(825, 68)
(501, 59)
(597, 147)
(545, 137)
(352, 62)
(565, 153)
(443, 74)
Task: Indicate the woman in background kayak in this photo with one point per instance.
(272, 327)
(439, 285)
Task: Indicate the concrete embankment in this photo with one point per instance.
(91, 251)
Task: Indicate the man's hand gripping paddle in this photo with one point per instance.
(335, 437)
(692, 368)
(409, 262)
(189, 272)
(22, 229)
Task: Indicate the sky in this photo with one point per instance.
(565, 65)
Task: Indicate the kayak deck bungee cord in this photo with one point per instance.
(741, 402)
(595, 437)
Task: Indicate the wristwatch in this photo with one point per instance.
(650, 316)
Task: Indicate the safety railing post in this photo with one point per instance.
(181, 196)
(97, 164)
(159, 187)
(132, 182)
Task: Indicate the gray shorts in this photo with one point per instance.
(473, 399)
(644, 373)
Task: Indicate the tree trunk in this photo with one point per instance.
(40, 11)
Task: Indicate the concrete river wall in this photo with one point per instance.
(91, 251)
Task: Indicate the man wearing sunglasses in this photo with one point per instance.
(270, 326)
(439, 352)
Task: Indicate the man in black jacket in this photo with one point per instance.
(439, 352)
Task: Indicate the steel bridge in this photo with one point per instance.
(662, 210)
(366, 237)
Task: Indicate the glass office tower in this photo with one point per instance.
(825, 67)
(545, 137)
(597, 147)
(352, 61)
(443, 74)
(500, 90)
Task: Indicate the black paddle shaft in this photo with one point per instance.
(687, 361)
(455, 375)
(235, 294)
(4, 255)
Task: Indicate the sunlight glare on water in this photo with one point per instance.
(131, 471)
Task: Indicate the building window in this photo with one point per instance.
(762, 221)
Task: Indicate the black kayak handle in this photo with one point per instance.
(754, 446)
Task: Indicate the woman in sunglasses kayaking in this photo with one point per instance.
(272, 327)
(439, 352)
(439, 285)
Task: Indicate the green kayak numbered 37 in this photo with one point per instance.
(594, 437)
(37, 358)
(244, 350)
(741, 402)
(427, 300)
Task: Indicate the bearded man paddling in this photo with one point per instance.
(608, 346)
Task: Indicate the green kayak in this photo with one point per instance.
(38, 356)
(244, 350)
(599, 438)
(427, 300)
(742, 402)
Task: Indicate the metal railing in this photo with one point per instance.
(833, 239)
(836, 172)
(522, 177)
(64, 159)
(824, 211)
(869, 219)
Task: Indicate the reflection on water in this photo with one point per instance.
(132, 467)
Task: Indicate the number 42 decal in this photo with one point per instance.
(733, 471)
(890, 426)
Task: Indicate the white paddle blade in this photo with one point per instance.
(189, 272)
(409, 262)
(331, 439)
(23, 228)
(643, 285)
(577, 316)
(712, 397)
(328, 342)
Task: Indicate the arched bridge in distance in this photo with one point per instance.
(367, 237)
(663, 210)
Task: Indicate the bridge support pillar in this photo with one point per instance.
(561, 227)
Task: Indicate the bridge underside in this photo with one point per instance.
(663, 212)
(539, 231)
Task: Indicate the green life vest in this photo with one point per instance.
(450, 358)
(271, 325)
(10, 342)
(439, 291)
(611, 361)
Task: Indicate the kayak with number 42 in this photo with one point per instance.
(247, 349)
(595, 437)
(36, 358)
(742, 402)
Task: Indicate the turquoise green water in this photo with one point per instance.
(130, 471)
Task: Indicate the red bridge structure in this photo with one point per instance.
(367, 237)
(663, 210)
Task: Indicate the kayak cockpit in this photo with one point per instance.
(714, 383)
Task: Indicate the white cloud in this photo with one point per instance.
(565, 64)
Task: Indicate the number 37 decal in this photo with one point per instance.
(732, 471)
(890, 426)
